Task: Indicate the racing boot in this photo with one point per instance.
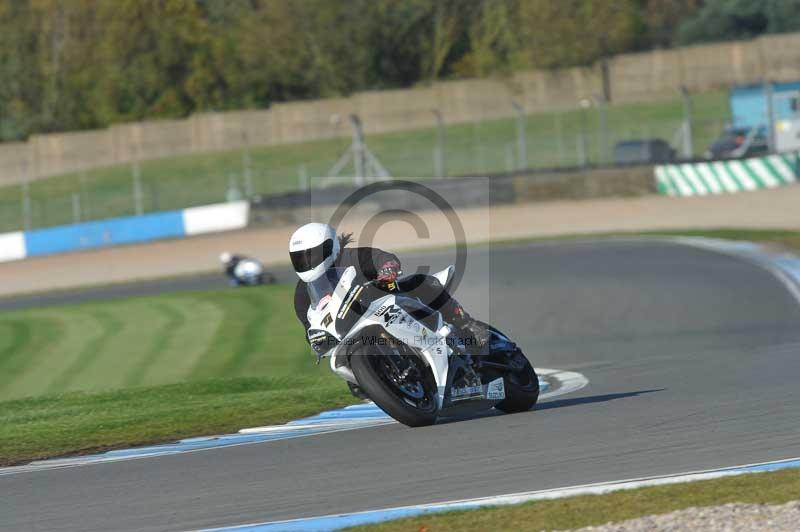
(455, 313)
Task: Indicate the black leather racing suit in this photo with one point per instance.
(367, 262)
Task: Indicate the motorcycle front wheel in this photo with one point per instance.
(398, 381)
(522, 385)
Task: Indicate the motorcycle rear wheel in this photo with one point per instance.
(373, 372)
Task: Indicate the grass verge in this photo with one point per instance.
(79, 422)
(590, 510)
(146, 341)
(99, 375)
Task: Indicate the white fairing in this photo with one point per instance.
(389, 315)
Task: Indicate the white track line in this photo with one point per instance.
(335, 522)
(784, 267)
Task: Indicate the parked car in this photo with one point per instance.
(739, 142)
(643, 151)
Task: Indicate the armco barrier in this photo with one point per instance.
(725, 177)
(12, 246)
(523, 186)
(127, 230)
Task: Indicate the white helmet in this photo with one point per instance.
(225, 257)
(313, 249)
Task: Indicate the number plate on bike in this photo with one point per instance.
(496, 390)
(467, 392)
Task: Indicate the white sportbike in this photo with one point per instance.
(411, 363)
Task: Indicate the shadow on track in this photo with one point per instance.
(560, 403)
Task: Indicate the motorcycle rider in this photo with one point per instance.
(315, 248)
(229, 263)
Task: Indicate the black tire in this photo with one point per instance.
(522, 389)
(364, 366)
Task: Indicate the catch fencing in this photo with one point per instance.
(577, 138)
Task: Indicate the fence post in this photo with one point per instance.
(302, 177)
(560, 140)
(136, 170)
(358, 149)
(247, 167)
(137, 188)
(583, 150)
(477, 148)
(76, 207)
(440, 167)
(768, 93)
(603, 119)
(154, 199)
(510, 158)
(522, 146)
(85, 211)
(26, 199)
(688, 140)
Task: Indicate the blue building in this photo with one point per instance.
(748, 103)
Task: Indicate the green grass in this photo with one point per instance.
(80, 422)
(107, 374)
(152, 340)
(483, 147)
(591, 510)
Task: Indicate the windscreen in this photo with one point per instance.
(323, 287)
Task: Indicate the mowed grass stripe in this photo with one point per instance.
(76, 328)
(22, 342)
(94, 348)
(151, 340)
(253, 341)
(172, 320)
(242, 334)
(131, 344)
(188, 342)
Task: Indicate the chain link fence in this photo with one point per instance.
(583, 137)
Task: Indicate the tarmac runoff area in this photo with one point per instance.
(766, 209)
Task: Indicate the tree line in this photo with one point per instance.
(79, 64)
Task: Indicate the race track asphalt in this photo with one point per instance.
(692, 357)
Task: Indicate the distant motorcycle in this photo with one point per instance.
(244, 271)
(405, 358)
